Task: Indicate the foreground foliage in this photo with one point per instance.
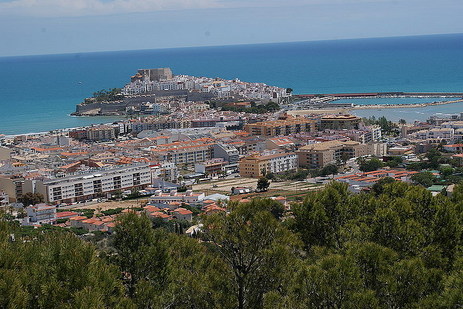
(396, 247)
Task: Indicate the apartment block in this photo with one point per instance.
(339, 122)
(211, 167)
(185, 152)
(165, 170)
(321, 154)
(98, 133)
(41, 214)
(256, 166)
(4, 199)
(94, 184)
(281, 127)
(140, 126)
(435, 135)
(12, 187)
(226, 151)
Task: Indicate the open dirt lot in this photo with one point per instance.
(224, 186)
(112, 204)
(220, 186)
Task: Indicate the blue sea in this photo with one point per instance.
(37, 93)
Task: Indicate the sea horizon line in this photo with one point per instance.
(231, 45)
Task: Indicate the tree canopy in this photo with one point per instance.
(397, 246)
(262, 184)
(113, 94)
(30, 198)
(369, 165)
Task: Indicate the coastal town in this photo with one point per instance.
(223, 154)
(158, 91)
(189, 158)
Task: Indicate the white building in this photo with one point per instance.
(41, 214)
(94, 184)
(4, 199)
(165, 170)
(187, 197)
(435, 135)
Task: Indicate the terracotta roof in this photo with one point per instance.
(151, 208)
(183, 211)
(78, 218)
(70, 154)
(158, 214)
(66, 214)
(39, 149)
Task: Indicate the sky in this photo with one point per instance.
(30, 27)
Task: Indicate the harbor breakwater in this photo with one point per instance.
(417, 105)
(327, 103)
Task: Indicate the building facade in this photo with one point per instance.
(95, 184)
(256, 166)
(41, 214)
(321, 154)
(185, 152)
(340, 122)
(281, 127)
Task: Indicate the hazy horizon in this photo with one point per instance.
(230, 45)
(75, 26)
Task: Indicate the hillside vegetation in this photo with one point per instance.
(395, 247)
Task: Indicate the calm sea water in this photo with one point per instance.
(37, 93)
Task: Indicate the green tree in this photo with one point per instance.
(141, 254)
(255, 246)
(197, 276)
(394, 161)
(425, 179)
(32, 199)
(270, 176)
(407, 282)
(334, 281)
(378, 187)
(108, 95)
(262, 184)
(319, 218)
(433, 156)
(56, 270)
(329, 169)
(446, 171)
(369, 165)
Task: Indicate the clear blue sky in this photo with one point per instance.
(29, 27)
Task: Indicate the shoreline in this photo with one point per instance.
(334, 110)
